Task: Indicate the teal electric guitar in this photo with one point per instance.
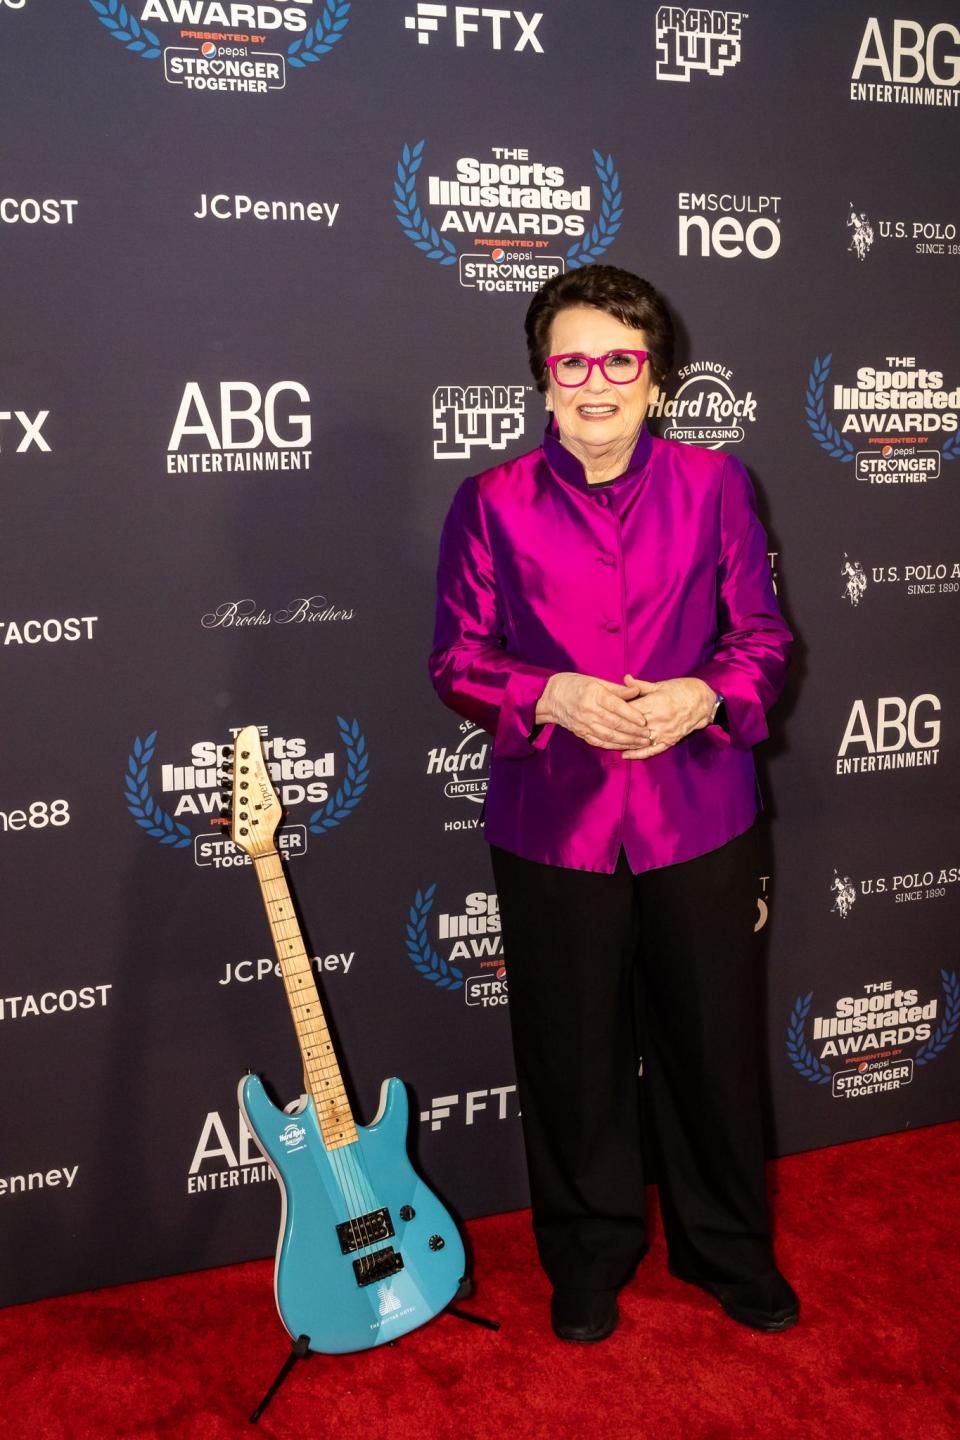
(366, 1251)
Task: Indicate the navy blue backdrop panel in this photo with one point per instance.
(264, 273)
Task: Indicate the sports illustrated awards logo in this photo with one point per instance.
(497, 205)
(195, 789)
(464, 773)
(47, 632)
(492, 1104)
(230, 48)
(897, 735)
(905, 889)
(870, 1033)
(245, 207)
(921, 578)
(476, 417)
(36, 816)
(240, 429)
(691, 40)
(704, 409)
(907, 65)
(718, 229)
(246, 614)
(928, 237)
(471, 937)
(899, 413)
(20, 431)
(219, 1164)
(54, 1002)
(491, 27)
(33, 212)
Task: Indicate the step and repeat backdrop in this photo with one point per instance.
(263, 273)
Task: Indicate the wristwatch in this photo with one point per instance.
(719, 716)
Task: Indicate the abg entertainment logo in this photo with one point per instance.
(469, 937)
(240, 429)
(477, 26)
(476, 417)
(705, 409)
(908, 64)
(695, 40)
(725, 225)
(219, 1164)
(871, 1034)
(519, 220)
(890, 734)
(902, 416)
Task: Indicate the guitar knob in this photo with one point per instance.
(436, 1242)
(407, 1212)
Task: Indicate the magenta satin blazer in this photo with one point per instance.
(662, 573)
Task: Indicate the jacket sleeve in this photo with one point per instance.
(471, 668)
(749, 662)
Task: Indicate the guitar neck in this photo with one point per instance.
(320, 1067)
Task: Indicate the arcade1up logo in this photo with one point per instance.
(516, 219)
(226, 48)
(180, 799)
(895, 423)
(443, 947)
(873, 1042)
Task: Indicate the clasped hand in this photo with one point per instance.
(641, 718)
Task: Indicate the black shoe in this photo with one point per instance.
(584, 1316)
(767, 1302)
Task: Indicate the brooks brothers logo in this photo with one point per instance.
(714, 218)
(219, 1164)
(229, 47)
(908, 64)
(927, 237)
(689, 40)
(898, 734)
(476, 939)
(54, 1002)
(299, 779)
(36, 816)
(246, 207)
(704, 409)
(901, 411)
(905, 889)
(246, 614)
(490, 27)
(928, 578)
(463, 771)
(871, 1033)
(499, 204)
(241, 430)
(30, 211)
(47, 632)
(476, 417)
(491, 1104)
(247, 972)
(20, 431)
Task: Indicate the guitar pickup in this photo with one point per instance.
(365, 1230)
(371, 1268)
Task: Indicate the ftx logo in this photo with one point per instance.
(466, 21)
(473, 1102)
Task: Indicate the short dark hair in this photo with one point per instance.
(620, 293)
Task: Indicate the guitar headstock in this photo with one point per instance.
(255, 811)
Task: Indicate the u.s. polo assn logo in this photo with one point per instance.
(216, 48)
(192, 785)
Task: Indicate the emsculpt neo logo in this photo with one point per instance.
(725, 225)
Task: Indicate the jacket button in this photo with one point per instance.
(611, 626)
(606, 559)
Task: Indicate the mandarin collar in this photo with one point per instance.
(566, 466)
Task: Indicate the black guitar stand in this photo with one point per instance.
(301, 1346)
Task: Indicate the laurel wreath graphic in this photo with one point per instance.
(350, 793)
(125, 27)
(802, 1057)
(141, 804)
(321, 37)
(825, 433)
(413, 222)
(425, 959)
(948, 1026)
(950, 449)
(601, 235)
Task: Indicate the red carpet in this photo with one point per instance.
(866, 1232)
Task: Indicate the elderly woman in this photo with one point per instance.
(606, 611)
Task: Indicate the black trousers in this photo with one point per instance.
(603, 969)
